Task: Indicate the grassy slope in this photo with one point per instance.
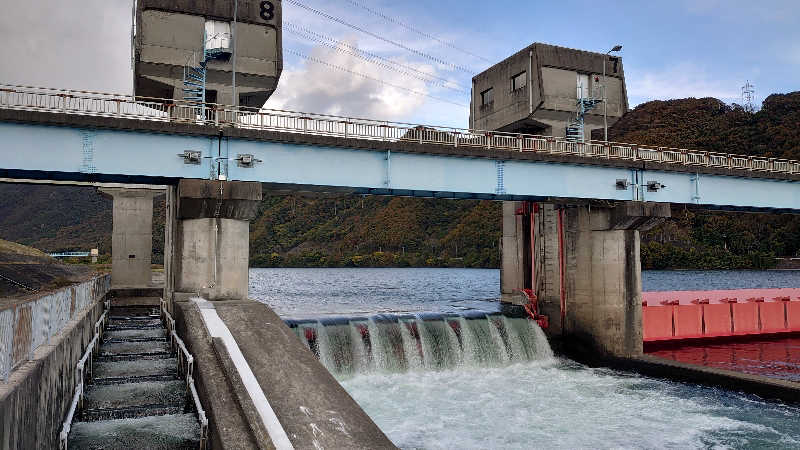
(19, 249)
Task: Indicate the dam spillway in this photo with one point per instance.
(399, 343)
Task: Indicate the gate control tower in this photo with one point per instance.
(190, 49)
(549, 90)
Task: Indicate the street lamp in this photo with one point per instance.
(616, 48)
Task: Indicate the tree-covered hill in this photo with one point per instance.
(702, 239)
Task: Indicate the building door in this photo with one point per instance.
(582, 90)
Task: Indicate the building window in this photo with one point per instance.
(519, 81)
(487, 97)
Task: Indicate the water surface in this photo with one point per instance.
(535, 401)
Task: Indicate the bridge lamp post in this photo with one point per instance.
(616, 48)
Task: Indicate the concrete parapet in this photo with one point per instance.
(311, 406)
(228, 425)
(38, 394)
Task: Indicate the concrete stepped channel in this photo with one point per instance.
(135, 396)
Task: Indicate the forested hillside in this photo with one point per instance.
(310, 231)
(375, 231)
(702, 239)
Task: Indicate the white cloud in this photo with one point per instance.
(76, 45)
(314, 87)
(682, 81)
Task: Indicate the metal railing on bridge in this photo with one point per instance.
(26, 326)
(70, 255)
(170, 110)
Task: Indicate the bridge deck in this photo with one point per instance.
(116, 139)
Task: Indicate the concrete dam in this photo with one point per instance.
(119, 361)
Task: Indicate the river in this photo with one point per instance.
(471, 388)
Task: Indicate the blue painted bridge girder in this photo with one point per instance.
(32, 150)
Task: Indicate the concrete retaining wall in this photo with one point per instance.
(38, 393)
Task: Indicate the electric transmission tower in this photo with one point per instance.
(748, 95)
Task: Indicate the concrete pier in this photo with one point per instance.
(208, 237)
(582, 262)
(132, 236)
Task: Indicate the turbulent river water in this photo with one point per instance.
(428, 358)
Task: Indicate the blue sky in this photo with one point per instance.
(672, 49)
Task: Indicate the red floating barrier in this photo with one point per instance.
(688, 321)
(793, 316)
(717, 320)
(657, 323)
(687, 315)
(745, 318)
(773, 317)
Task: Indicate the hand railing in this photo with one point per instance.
(83, 370)
(172, 110)
(186, 369)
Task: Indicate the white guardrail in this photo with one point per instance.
(27, 326)
(186, 368)
(83, 370)
(30, 98)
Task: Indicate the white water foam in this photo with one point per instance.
(559, 404)
(499, 386)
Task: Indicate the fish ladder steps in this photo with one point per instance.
(136, 397)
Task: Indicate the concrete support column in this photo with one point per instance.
(132, 237)
(587, 272)
(211, 238)
(512, 246)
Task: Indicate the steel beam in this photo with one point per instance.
(108, 155)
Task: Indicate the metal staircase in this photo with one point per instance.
(584, 104)
(194, 81)
(194, 72)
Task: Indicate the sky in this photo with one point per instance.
(429, 50)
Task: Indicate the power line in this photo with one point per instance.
(410, 28)
(343, 47)
(381, 38)
(379, 64)
(368, 77)
(369, 54)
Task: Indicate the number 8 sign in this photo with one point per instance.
(267, 10)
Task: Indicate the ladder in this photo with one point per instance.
(575, 129)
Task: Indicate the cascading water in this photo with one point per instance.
(474, 399)
(387, 343)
